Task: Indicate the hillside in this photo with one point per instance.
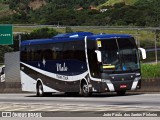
(5, 6)
(35, 4)
(112, 2)
(56, 4)
(81, 12)
(4, 9)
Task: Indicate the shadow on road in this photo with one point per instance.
(93, 95)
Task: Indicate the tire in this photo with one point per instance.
(85, 90)
(121, 93)
(40, 91)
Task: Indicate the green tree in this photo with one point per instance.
(36, 34)
(40, 33)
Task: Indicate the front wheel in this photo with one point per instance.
(85, 90)
(121, 93)
(40, 91)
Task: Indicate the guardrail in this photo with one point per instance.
(93, 27)
(150, 85)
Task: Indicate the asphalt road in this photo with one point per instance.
(63, 105)
(96, 102)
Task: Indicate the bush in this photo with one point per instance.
(40, 33)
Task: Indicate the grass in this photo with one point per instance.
(31, 29)
(150, 71)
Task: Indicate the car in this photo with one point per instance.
(2, 73)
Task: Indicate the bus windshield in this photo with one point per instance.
(119, 54)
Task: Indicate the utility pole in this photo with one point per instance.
(156, 36)
(19, 39)
(137, 38)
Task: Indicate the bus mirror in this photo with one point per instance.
(99, 55)
(143, 52)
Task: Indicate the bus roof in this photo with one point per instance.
(74, 37)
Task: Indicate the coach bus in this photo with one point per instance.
(81, 63)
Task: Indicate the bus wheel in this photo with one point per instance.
(85, 90)
(40, 91)
(121, 93)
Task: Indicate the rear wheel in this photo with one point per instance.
(121, 93)
(40, 91)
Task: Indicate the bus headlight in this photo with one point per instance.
(106, 81)
(137, 78)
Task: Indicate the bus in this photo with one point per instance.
(81, 63)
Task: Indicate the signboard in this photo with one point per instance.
(6, 35)
(99, 44)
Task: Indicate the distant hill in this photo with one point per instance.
(53, 4)
(81, 12)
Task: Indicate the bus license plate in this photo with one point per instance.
(123, 86)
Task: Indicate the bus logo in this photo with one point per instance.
(61, 67)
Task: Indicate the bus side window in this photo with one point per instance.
(37, 53)
(32, 54)
(54, 54)
(80, 51)
(28, 53)
(48, 54)
(23, 54)
(58, 50)
(68, 51)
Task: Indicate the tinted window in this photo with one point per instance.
(57, 49)
(68, 51)
(23, 54)
(80, 51)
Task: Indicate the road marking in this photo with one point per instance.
(16, 109)
(41, 108)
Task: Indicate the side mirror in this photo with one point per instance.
(143, 52)
(99, 55)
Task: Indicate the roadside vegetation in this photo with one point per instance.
(150, 71)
